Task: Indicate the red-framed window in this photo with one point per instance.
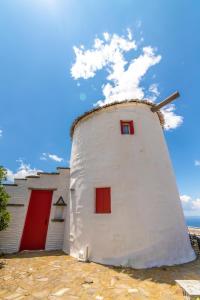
(103, 200)
(127, 127)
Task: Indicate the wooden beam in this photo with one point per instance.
(15, 204)
(166, 101)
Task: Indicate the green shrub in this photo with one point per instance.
(4, 197)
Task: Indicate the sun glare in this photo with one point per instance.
(49, 5)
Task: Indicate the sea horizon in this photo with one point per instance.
(193, 221)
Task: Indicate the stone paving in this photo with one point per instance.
(56, 276)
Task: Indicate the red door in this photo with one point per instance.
(37, 220)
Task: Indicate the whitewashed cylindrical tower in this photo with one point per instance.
(125, 207)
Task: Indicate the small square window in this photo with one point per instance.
(103, 200)
(127, 127)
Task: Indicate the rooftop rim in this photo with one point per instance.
(100, 108)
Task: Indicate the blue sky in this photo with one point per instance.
(40, 95)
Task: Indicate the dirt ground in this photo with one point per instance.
(56, 276)
(194, 230)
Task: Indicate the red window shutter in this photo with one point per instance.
(103, 200)
(131, 127)
(121, 124)
(128, 123)
(99, 202)
(107, 201)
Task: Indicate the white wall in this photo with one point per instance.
(146, 227)
(11, 237)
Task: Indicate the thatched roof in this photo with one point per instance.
(97, 109)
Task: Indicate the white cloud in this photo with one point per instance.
(124, 78)
(185, 198)
(190, 205)
(1, 132)
(196, 204)
(172, 120)
(154, 92)
(104, 53)
(129, 34)
(106, 36)
(55, 157)
(197, 163)
(125, 83)
(22, 171)
(46, 156)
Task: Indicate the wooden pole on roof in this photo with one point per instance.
(166, 101)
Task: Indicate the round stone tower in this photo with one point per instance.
(124, 206)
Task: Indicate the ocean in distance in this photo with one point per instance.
(193, 221)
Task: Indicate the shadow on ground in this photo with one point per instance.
(31, 254)
(165, 274)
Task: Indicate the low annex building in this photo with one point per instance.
(117, 205)
(38, 207)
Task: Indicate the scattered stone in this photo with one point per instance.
(132, 291)
(86, 285)
(91, 291)
(60, 292)
(123, 286)
(20, 290)
(99, 297)
(118, 291)
(88, 280)
(113, 281)
(7, 277)
(144, 292)
(56, 266)
(41, 294)
(35, 278)
(13, 296)
(42, 279)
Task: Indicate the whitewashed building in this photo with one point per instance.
(117, 205)
(38, 207)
